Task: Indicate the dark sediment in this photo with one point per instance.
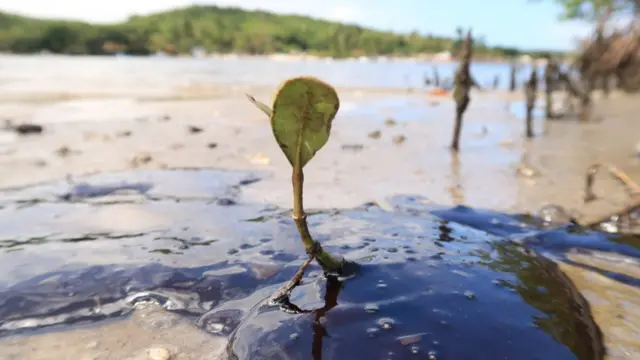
(434, 282)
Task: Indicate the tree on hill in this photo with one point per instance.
(215, 29)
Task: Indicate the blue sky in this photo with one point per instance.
(520, 23)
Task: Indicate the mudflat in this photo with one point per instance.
(217, 127)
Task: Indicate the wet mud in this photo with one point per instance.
(433, 282)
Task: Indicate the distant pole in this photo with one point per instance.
(463, 84)
(436, 77)
(550, 74)
(512, 76)
(530, 89)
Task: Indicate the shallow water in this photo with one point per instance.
(433, 282)
(101, 77)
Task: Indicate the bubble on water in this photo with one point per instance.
(415, 349)
(294, 336)
(371, 308)
(372, 332)
(470, 295)
(432, 355)
(381, 285)
(386, 323)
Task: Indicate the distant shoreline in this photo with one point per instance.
(212, 29)
(432, 58)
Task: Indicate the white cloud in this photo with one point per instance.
(343, 13)
(119, 10)
(99, 11)
(569, 32)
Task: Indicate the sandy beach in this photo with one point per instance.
(216, 127)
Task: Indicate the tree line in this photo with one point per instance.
(221, 30)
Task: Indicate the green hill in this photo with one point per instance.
(216, 29)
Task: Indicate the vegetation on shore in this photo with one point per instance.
(221, 30)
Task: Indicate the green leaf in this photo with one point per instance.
(303, 110)
(260, 105)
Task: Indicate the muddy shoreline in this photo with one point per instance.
(496, 169)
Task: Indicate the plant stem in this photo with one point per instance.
(328, 262)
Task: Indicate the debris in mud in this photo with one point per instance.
(158, 353)
(63, 151)
(527, 170)
(398, 139)
(353, 147)
(375, 134)
(165, 118)
(141, 159)
(96, 136)
(195, 129)
(259, 159)
(212, 145)
(390, 122)
(124, 133)
(23, 129)
(177, 146)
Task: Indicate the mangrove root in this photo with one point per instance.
(531, 89)
(463, 84)
(631, 186)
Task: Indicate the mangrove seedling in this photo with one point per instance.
(301, 116)
(463, 84)
(531, 89)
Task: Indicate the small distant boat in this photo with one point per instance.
(198, 52)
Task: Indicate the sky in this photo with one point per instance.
(524, 24)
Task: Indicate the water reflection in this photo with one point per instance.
(565, 314)
(456, 189)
